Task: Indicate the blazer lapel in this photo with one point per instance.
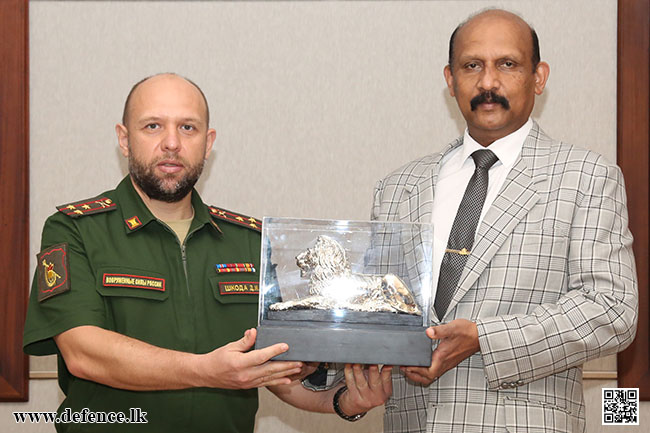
(517, 197)
(417, 203)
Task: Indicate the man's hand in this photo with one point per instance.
(307, 369)
(233, 366)
(458, 341)
(113, 359)
(366, 388)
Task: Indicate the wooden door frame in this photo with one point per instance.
(14, 197)
(633, 140)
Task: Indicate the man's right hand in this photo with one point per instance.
(116, 360)
(233, 366)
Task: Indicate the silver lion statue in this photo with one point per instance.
(333, 285)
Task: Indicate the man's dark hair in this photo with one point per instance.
(536, 57)
(136, 85)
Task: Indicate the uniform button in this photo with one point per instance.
(505, 385)
(520, 382)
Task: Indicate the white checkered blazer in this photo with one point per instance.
(551, 283)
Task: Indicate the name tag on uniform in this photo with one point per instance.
(239, 288)
(134, 281)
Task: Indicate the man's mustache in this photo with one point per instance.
(489, 97)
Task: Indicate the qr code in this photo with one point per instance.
(621, 406)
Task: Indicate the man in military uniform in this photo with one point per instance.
(144, 292)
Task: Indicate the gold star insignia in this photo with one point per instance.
(70, 207)
(78, 212)
(238, 218)
(85, 206)
(253, 220)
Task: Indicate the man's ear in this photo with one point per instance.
(449, 78)
(122, 139)
(209, 141)
(542, 71)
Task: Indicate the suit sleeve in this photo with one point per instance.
(597, 315)
(376, 202)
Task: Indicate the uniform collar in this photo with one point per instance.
(137, 215)
(201, 214)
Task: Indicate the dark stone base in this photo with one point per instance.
(349, 343)
(346, 316)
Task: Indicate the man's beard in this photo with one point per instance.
(489, 97)
(155, 187)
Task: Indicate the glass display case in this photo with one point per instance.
(346, 291)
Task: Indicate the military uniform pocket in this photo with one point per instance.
(129, 296)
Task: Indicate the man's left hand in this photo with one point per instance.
(458, 341)
(366, 388)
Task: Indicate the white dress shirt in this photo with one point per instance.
(457, 167)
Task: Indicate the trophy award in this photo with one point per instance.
(346, 291)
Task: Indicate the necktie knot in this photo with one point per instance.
(484, 158)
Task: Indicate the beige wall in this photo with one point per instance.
(312, 102)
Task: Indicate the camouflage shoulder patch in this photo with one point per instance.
(52, 271)
(87, 207)
(235, 218)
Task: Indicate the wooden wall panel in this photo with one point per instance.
(633, 137)
(14, 197)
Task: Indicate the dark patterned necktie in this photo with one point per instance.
(461, 238)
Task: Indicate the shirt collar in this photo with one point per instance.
(136, 214)
(507, 149)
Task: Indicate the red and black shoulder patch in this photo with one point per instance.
(52, 271)
(235, 218)
(87, 207)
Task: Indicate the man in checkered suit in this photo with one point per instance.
(550, 281)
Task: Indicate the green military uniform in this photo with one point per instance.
(110, 263)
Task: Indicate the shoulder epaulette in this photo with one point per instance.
(235, 218)
(88, 206)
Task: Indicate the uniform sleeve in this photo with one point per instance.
(598, 314)
(81, 305)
